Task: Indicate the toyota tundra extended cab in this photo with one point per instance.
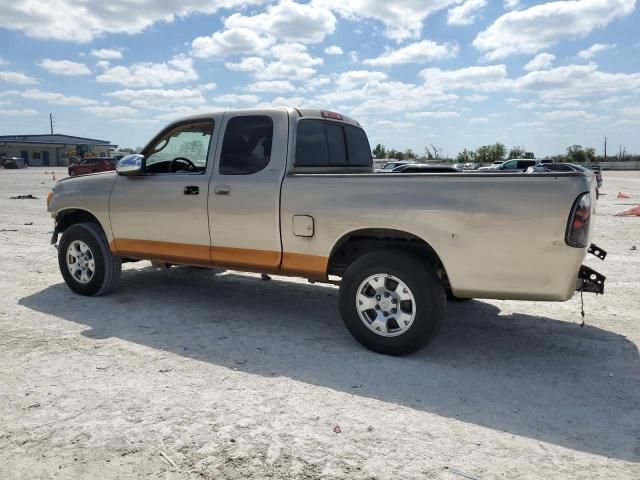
(292, 192)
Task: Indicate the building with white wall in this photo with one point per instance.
(52, 150)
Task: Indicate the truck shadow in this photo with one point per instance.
(530, 376)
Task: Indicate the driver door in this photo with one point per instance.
(162, 214)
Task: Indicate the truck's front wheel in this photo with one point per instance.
(392, 302)
(86, 263)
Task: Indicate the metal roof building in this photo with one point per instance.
(52, 149)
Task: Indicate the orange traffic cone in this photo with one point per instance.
(630, 212)
(622, 195)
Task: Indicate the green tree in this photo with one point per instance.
(379, 151)
(578, 154)
(490, 153)
(529, 155)
(466, 156)
(516, 152)
(409, 155)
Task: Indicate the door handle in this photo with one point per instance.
(191, 190)
(221, 190)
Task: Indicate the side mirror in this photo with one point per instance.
(130, 165)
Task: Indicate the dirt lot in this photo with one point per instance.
(233, 377)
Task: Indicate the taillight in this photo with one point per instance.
(578, 227)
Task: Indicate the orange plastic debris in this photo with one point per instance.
(630, 212)
(622, 195)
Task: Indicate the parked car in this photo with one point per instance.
(510, 166)
(569, 167)
(292, 192)
(423, 168)
(12, 163)
(92, 165)
(389, 166)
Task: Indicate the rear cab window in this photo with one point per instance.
(325, 145)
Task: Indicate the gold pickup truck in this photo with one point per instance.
(292, 192)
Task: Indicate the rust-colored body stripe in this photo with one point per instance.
(310, 266)
(294, 264)
(244, 258)
(163, 251)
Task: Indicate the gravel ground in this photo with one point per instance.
(189, 373)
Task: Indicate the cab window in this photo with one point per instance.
(183, 149)
(246, 147)
(323, 143)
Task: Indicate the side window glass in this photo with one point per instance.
(246, 147)
(311, 145)
(184, 149)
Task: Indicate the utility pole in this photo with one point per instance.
(51, 122)
(605, 149)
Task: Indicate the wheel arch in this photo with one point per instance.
(358, 242)
(71, 216)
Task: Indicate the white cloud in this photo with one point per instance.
(17, 77)
(231, 42)
(476, 98)
(418, 52)
(232, 98)
(286, 21)
(3, 62)
(82, 22)
(403, 19)
(423, 115)
(573, 81)
(567, 115)
(290, 61)
(486, 78)
(541, 26)
(178, 69)
(18, 112)
(289, 21)
(359, 78)
(511, 4)
(160, 99)
(64, 67)
(540, 62)
(478, 120)
(52, 97)
(333, 50)
(271, 86)
(107, 53)
(110, 111)
(594, 49)
(465, 14)
(248, 64)
(103, 64)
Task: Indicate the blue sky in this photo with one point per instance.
(452, 73)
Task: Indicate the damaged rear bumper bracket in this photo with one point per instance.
(590, 281)
(597, 251)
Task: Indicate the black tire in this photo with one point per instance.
(72, 173)
(428, 292)
(107, 266)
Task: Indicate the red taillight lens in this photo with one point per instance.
(331, 115)
(578, 226)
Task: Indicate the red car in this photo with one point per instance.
(92, 165)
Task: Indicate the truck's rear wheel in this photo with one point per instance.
(86, 263)
(392, 302)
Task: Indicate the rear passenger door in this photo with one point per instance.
(244, 199)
